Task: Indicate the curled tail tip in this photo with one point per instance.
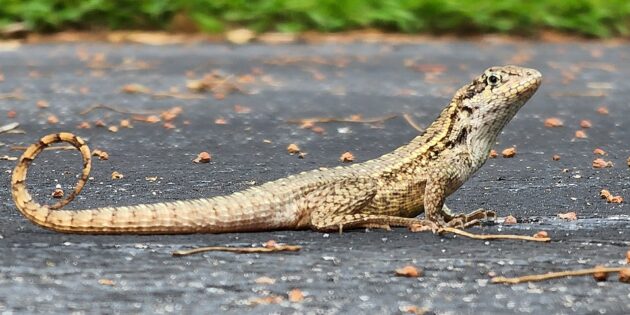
(18, 178)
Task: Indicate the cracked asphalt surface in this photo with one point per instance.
(47, 272)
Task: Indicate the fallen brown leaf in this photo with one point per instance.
(84, 125)
(408, 271)
(553, 122)
(510, 220)
(102, 155)
(599, 151)
(346, 157)
(601, 163)
(602, 110)
(117, 175)
(42, 104)
(135, 88)
(586, 124)
(624, 275)
(296, 295)
(106, 282)
(58, 192)
(272, 299)
(52, 119)
(541, 234)
(569, 216)
(556, 157)
(580, 134)
(203, 157)
(493, 154)
(509, 152)
(265, 280)
(293, 149)
(600, 275)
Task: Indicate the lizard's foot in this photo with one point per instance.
(423, 226)
(471, 219)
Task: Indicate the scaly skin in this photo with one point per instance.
(388, 191)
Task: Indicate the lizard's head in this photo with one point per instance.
(490, 101)
(493, 98)
(497, 94)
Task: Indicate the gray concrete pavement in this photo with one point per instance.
(47, 272)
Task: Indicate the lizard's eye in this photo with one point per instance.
(493, 79)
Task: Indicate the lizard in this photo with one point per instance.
(391, 190)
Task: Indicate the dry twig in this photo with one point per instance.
(56, 148)
(312, 120)
(240, 250)
(9, 127)
(492, 236)
(15, 95)
(554, 275)
(412, 123)
(181, 96)
(117, 110)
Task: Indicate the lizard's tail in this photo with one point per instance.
(34, 211)
(255, 209)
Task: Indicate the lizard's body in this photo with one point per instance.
(388, 191)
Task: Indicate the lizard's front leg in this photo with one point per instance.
(437, 212)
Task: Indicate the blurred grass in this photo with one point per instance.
(594, 18)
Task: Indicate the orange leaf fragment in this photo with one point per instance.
(113, 128)
(599, 151)
(408, 271)
(106, 282)
(265, 280)
(240, 109)
(624, 275)
(602, 110)
(84, 125)
(569, 216)
(203, 157)
(220, 121)
(541, 234)
(11, 114)
(601, 163)
(599, 275)
(346, 157)
(510, 220)
(42, 104)
(58, 192)
(509, 152)
(135, 88)
(556, 157)
(296, 295)
(293, 149)
(586, 124)
(52, 119)
(102, 155)
(493, 154)
(553, 122)
(125, 123)
(117, 175)
(580, 134)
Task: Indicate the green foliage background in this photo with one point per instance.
(597, 18)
